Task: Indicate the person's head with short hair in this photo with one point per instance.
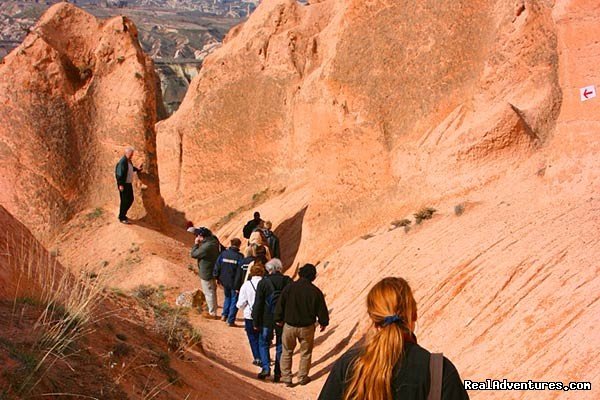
(256, 215)
(393, 310)
(268, 225)
(308, 271)
(203, 233)
(235, 242)
(129, 152)
(257, 269)
(274, 265)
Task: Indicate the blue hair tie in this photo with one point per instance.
(392, 319)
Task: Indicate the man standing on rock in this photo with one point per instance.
(300, 305)
(124, 173)
(206, 251)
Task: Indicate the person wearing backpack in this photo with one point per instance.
(389, 364)
(267, 295)
(252, 225)
(225, 271)
(300, 306)
(272, 240)
(246, 300)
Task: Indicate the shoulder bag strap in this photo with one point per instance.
(436, 364)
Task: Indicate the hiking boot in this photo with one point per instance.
(257, 362)
(305, 381)
(289, 384)
(262, 375)
(124, 221)
(276, 378)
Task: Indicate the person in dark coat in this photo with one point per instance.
(225, 270)
(206, 251)
(272, 240)
(267, 294)
(252, 225)
(300, 306)
(124, 171)
(389, 364)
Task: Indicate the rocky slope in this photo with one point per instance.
(342, 116)
(69, 108)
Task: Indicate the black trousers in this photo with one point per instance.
(126, 200)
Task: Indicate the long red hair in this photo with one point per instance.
(372, 372)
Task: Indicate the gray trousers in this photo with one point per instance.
(209, 288)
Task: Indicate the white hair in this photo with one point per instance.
(129, 150)
(274, 265)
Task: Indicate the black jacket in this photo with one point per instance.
(300, 304)
(261, 316)
(250, 227)
(411, 379)
(273, 242)
(241, 274)
(227, 265)
(206, 253)
(121, 170)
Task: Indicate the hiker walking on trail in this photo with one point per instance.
(257, 240)
(246, 300)
(267, 296)
(300, 306)
(272, 240)
(390, 365)
(251, 225)
(241, 274)
(206, 251)
(225, 271)
(124, 171)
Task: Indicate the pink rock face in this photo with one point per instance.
(364, 112)
(73, 95)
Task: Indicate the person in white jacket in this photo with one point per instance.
(246, 301)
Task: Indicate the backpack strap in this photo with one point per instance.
(436, 365)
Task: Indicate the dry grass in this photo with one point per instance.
(423, 214)
(172, 323)
(69, 305)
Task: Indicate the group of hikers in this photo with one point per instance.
(275, 306)
(386, 364)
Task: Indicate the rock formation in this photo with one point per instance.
(73, 95)
(339, 117)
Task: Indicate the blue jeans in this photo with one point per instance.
(252, 338)
(264, 343)
(229, 305)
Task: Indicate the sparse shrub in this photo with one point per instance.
(423, 214)
(401, 223)
(104, 263)
(97, 213)
(171, 322)
(163, 361)
(144, 292)
(138, 75)
(68, 305)
(459, 209)
(120, 59)
(121, 349)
